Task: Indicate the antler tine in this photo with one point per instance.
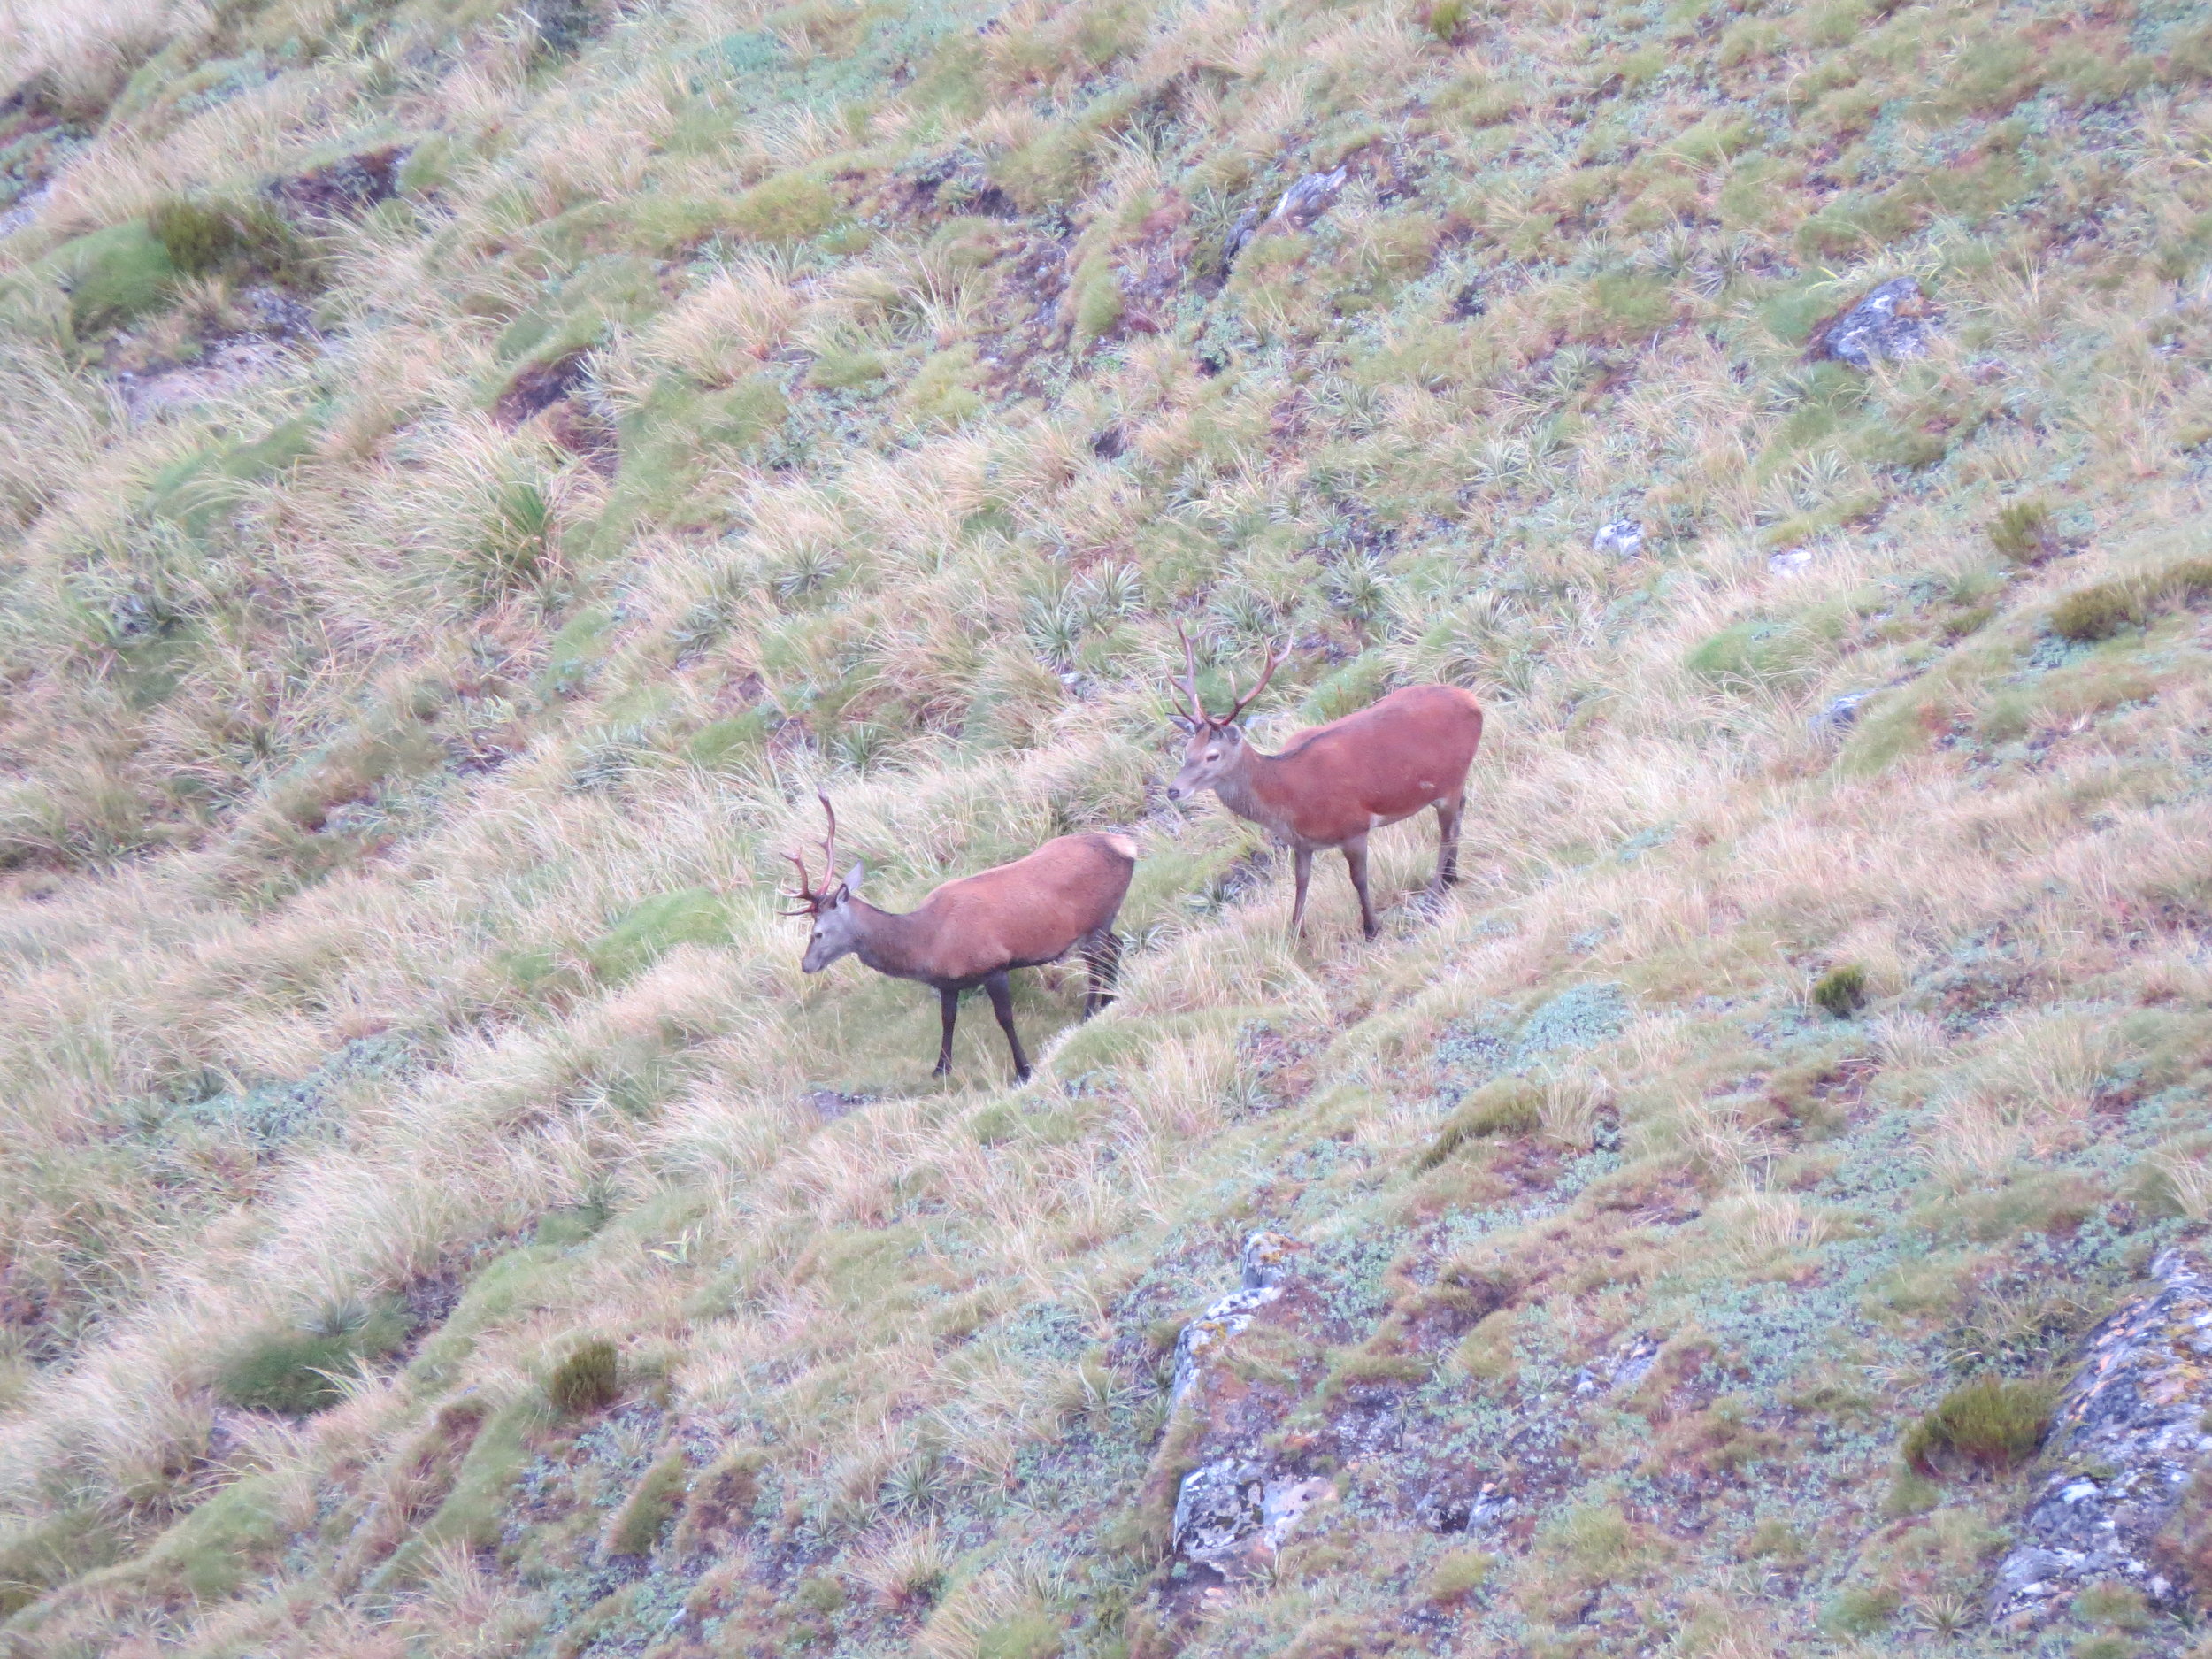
(1275, 660)
(1190, 675)
(829, 842)
(805, 894)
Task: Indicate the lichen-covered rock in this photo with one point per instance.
(1623, 1367)
(1889, 325)
(1263, 1269)
(1233, 1513)
(1623, 538)
(2126, 1437)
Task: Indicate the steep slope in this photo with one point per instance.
(470, 473)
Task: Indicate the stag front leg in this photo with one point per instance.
(1301, 872)
(1003, 1004)
(1447, 839)
(949, 1002)
(1356, 861)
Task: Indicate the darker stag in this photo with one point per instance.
(1063, 897)
(1331, 785)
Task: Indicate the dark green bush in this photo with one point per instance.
(1504, 1106)
(1842, 990)
(2098, 613)
(1993, 1423)
(2021, 531)
(295, 1369)
(254, 240)
(587, 1380)
(198, 238)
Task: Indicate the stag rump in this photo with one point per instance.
(1331, 785)
(974, 932)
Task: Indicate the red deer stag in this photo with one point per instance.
(1331, 785)
(978, 929)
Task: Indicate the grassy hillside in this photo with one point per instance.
(469, 473)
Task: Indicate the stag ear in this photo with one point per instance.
(1231, 734)
(849, 887)
(1183, 722)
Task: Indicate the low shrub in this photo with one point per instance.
(1459, 1574)
(1992, 1424)
(652, 1503)
(1505, 1106)
(1842, 990)
(2021, 531)
(296, 1370)
(587, 1380)
(2098, 613)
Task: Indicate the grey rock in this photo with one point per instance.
(1308, 199)
(1841, 714)
(1623, 538)
(1229, 1511)
(1262, 1267)
(1627, 1366)
(1444, 1510)
(2124, 1441)
(1889, 325)
(1790, 561)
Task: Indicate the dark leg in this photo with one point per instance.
(1447, 841)
(1356, 861)
(1302, 871)
(1002, 1005)
(950, 1001)
(1101, 956)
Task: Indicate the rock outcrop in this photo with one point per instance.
(2127, 1437)
(1891, 325)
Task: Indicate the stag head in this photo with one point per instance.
(1217, 742)
(836, 929)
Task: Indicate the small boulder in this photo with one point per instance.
(1790, 561)
(1307, 200)
(1891, 325)
(1231, 1514)
(1841, 714)
(1263, 1270)
(1623, 538)
(2128, 1434)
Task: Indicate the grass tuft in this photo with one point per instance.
(1843, 990)
(585, 1379)
(1994, 1425)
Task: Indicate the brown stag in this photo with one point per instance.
(1331, 785)
(977, 930)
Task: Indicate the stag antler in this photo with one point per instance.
(809, 904)
(1275, 660)
(810, 901)
(1190, 676)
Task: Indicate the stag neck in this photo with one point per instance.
(1242, 787)
(887, 940)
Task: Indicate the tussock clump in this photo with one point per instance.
(2098, 613)
(637, 1525)
(299, 1369)
(1843, 990)
(1506, 1106)
(585, 1379)
(1993, 1424)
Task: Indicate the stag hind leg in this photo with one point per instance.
(1001, 995)
(1102, 961)
(950, 1002)
(1447, 839)
(1356, 861)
